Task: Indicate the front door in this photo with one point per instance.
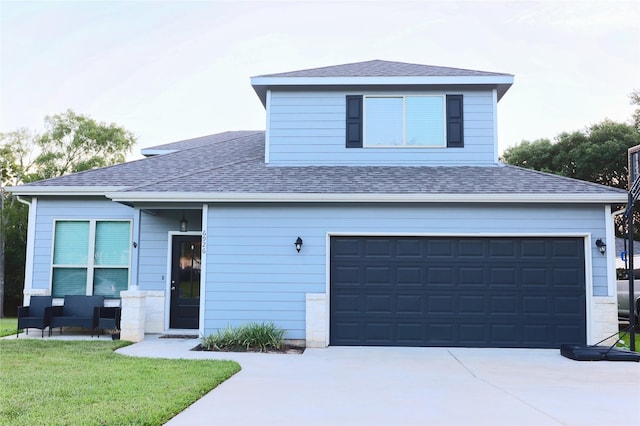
(185, 282)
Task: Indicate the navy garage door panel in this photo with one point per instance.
(471, 292)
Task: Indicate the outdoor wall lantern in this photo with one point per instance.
(602, 247)
(183, 223)
(298, 244)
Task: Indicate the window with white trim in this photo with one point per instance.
(91, 257)
(404, 121)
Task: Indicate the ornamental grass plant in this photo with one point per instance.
(260, 337)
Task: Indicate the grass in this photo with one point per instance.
(625, 341)
(87, 383)
(8, 326)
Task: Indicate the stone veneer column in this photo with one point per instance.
(604, 319)
(132, 319)
(154, 312)
(316, 320)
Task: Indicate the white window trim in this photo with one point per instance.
(404, 120)
(90, 266)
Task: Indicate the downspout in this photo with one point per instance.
(28, 267)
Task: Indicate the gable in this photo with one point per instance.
(395, 113)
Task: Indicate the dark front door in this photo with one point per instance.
(470, 292)
(185, 281)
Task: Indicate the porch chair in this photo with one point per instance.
(36, 315)
(108, 319)
(77, 311)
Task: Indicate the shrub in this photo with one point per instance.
(249, 337)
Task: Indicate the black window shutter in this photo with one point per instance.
(354, 121)
(455, 122)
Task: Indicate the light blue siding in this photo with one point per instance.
(255, 274)
(48, 210)
(154, 244)
(308, 128)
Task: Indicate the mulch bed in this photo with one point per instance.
(286, 349)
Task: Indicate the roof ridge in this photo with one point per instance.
(377, 62)
(250, 133)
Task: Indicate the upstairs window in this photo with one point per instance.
(404, 121)
(91, 257)
(407, 121)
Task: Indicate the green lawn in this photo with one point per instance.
(8, 326)
(86, 382)
(626, 341)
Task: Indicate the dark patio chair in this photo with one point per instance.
(36, 315)
(77, 311)
(108, 319)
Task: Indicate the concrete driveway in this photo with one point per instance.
(410, 386)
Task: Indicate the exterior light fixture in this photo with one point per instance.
(602, 247)
(183, 223)
(298, 244)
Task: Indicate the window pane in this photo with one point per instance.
(110, 282)
(383, 121)
(69, 281)
(71, 246)
(112, 243)
(425, 120)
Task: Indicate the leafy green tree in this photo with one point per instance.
(16, 153)
(71, 143)
(635, 100)
(598, 154)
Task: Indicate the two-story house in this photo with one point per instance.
(372, 210)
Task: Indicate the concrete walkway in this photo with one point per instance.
(409, 386)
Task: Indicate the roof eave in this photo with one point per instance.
(32, 191)
(237, 197)
(501, 82)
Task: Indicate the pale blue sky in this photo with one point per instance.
(174, 70)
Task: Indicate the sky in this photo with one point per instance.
(169, 71)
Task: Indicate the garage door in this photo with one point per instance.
(469, 292)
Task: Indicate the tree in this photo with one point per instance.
(71, 143)
(16, 153)
(635, 100)
(597, 154)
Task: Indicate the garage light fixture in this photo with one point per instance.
(602, 247)
(298, 244)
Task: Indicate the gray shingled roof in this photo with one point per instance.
(179, 164)
(236, 165)
(201, 141)
(377, 73)
(379, 68)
